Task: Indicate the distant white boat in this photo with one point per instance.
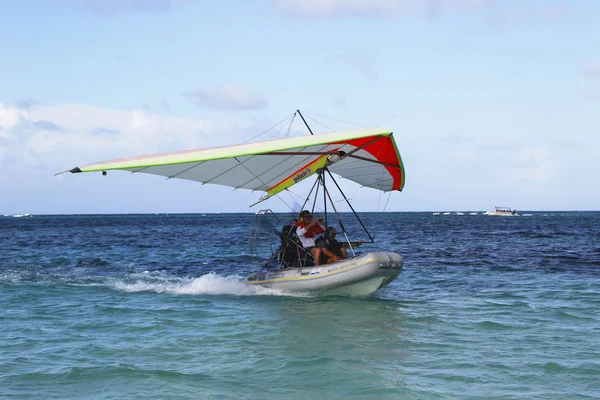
(436, 213)
(447, 213)
(503, 212)
(19, 215)
(460, 213)
(473, 213)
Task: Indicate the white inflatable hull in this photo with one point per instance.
(357, 276)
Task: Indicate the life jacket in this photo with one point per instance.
(313, 231)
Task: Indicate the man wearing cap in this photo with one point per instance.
(308, 231)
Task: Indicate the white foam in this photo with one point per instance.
(153, 281)
(210, 283)
(11, 276)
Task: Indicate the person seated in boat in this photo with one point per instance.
(336, 247)
(327, 256)
(308, 230)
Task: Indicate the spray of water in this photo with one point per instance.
(146, 281)
(209, 284)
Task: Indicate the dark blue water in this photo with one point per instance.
(151, 306)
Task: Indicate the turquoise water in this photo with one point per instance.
(151, 306)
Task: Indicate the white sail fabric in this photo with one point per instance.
(367, 156)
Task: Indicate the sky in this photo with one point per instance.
(492, 102)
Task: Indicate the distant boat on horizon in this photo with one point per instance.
(503, 212)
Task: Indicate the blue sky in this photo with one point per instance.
(492, 102)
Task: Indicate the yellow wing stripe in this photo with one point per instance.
(299, 175)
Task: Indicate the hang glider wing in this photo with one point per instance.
(367, 156)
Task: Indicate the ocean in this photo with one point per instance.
(152, 307)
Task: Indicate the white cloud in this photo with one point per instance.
(61, 136)
(30, 155)
(508, 165)
(144, 123)
(12, 118)
(372, 8)
(27, 103)
(228, 97)
(46, 125)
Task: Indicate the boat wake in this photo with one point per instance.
(209, 284)
(146, 281)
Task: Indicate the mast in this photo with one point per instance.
(321, 181)
(305, 123)
(322, 174)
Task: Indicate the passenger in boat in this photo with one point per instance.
(327, 256)
(308, 230)
(336, 247)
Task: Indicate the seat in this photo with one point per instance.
(292, 254)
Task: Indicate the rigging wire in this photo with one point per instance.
(258, 179)
(336, 119)
(380, 180)
(386, 203)
(283, 125)
(290, 125)
(308, 116)
(267, 130)
(277, 132)
(356, 191)
(283, 201)
(311, 203)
